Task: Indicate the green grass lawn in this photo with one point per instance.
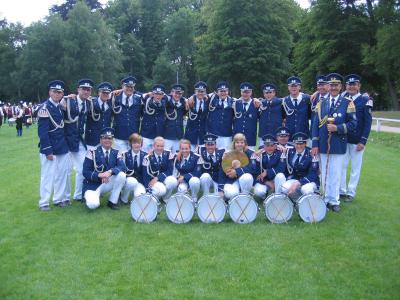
(76, 253)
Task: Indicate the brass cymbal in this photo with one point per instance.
(234, 159)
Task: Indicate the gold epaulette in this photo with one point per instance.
(351, 107)
(43, 112)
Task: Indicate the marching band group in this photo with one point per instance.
(131, 143)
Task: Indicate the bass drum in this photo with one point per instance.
(311, 208)
(145, 208)
(278, 208)
(211, 209)
(180, 208)
(243, 209)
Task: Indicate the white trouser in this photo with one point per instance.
(92, 147)
(77, 159)
(53, 178)
(132, 186)
(356, 158)
(331, 194)
(121, 145)
(224, 142)
(261, 190)
(308, 188)
(243, 184)
(115, 184)
(165, 189)
(194, 185)
(147, 144)
(206, 182)
(172, 145)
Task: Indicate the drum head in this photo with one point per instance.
(180, 208)
(312, 208)
(211, 209)
(144, 208)
(243, 209)
(278, 208)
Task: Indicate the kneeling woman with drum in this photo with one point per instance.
(238, 168)
(302, 169)
(157, 170)
(187, 169)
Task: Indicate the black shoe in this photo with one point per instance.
(124, 203)
(343, 196)
(335, 208)
(45, 208)
(112, 205)
(349, 198)
(67, 202)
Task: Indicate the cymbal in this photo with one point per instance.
(234, 159)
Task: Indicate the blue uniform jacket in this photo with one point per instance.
(297, 120)
(51, 129)
(96, 120)
(175, 111)
(209, 166)
(273, 164)
(246, 121)
(153, 120)
(95, 163)
(74, 122)
(307, 169)
(151, 167)
(220, 118)
(126, 118)
(251, 168)
(270, 116)
(129, 165)
(345, 120)
(196, 126)
(192, 167)
(364, 121)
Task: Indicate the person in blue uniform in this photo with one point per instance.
(271, 112)
(75, 112)
(239, 178)
(54, 161)
(220, 115)
(357, 139)
(103, 170)
(157, 171)
(302, 168)
(153, 120)
(297, 108)
(187, 169)
(133, 160)
(98, 116)
(210, 160)
(175, 112)
(283, 136)
(334, 118)
(246, 115)
(197, 115)
(127, 111)
(271, 168)
(321, 93)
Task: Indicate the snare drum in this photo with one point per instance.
(278, 208)
(144, 208)
(243, 209)
(311, 208)
(180, 208)
(211, 209)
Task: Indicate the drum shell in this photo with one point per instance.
(145, 208)
(215, 213)
(271, 209)
(238, 214)
(180, 208)
(311, 208)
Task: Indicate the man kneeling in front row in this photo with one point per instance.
(103, 170)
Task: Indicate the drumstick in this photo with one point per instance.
(279, 210)
(212, 211)
(243, 210)
(312, 212)
(179, 210)
(142, 211)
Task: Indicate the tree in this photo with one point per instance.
(66, 7)
(246, 41)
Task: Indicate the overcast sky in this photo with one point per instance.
(28, 11)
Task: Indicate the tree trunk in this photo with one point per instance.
(394, 101)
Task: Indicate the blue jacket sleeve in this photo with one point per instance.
(312, 175)
(43, 133)
(88, 171)
(367, 124)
